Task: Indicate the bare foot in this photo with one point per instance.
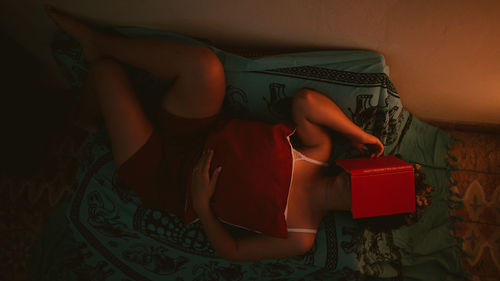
(81, 32)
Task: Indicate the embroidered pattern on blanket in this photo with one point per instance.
(337, 77)
(143, 244)
(124, 242)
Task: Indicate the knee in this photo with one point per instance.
(207, 66)
(304, 102)
(303, 96)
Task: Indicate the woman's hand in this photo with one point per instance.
(374, 147)
(202, 185)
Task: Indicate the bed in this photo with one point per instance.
(102, 231)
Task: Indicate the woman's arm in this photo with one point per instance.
(252, 248)
(318, 109)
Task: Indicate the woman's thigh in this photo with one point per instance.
(199, 88)
(126, 122)
(197, 92)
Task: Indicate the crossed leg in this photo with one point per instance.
(197, 91)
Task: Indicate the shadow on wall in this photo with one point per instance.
(31, 115)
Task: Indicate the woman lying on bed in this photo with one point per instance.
(188, 110)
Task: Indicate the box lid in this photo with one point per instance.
(370, 166)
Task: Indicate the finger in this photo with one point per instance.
(208, 159)
(200, 164)
(215, 176)
(381, 149)
(195, 171)
(204, 157)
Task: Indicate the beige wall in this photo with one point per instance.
(444, 55)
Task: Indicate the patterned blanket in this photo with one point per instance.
(103, 231)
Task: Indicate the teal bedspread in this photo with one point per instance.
(102, 231)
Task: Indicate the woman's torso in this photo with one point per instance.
(303, 213)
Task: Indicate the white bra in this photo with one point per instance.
(297, 157)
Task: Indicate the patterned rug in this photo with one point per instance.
(478, 159)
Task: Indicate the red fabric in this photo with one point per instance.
(253, 187)
(252, 190)
(158, 171)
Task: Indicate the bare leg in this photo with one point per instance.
(199, 85)
(88, 115)
(197, 92)
(127, 125)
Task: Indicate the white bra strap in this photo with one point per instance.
(301, 156)
(303, 230)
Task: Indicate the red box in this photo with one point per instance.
(380, 186)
